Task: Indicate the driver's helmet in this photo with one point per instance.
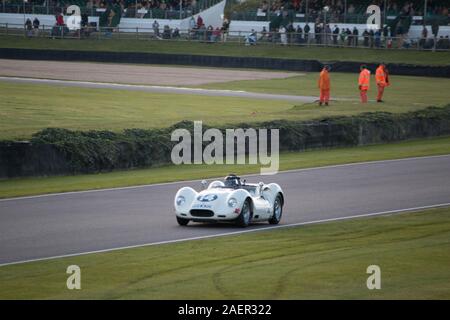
(232, 181)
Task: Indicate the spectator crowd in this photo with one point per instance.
(339, 7)
(131, 8)
(323, 29)
(319, 31)
(197, 31)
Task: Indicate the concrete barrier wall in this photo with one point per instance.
(26, 159)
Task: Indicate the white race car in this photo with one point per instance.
(230, 201)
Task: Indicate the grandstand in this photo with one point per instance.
(251, 21)
(341, 11)
(147, 9)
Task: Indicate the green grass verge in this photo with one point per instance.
(323, 261)
(294, 160)
(231, 49)
(404, 90)
(28, 108)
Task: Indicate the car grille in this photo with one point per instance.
(202, 213)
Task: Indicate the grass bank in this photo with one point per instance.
(403, 91)
(28, 108)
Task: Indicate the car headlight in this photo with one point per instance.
(232, 202)
(180, 200)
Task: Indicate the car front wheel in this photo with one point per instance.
(182, 221)
(245, 216)
(277, 210)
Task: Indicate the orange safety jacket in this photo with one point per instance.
(364, 79)
(324, 80)
(381, 77)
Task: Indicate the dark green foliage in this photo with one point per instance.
(95, 151)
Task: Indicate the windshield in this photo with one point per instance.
(232, 182)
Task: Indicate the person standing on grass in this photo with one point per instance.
(36, 24)
(306, 31)
(324, 86)
(29, 28)
(364, 83)
(382, 79)
(199, 22)
(225, 28)
(336, 33)
(355, 36)
(283, 36)
(155, 27)
(59, 20)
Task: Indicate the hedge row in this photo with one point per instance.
(61, 151)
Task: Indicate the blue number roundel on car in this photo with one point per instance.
(207, 197)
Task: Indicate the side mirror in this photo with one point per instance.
(204, 184)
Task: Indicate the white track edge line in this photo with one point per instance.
(244, 175)
(231, 233)
(170, 89)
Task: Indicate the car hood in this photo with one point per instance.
(211, 198)
(210, 195)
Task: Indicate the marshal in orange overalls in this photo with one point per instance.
(364, 83)
(324, 86)
(382, 79)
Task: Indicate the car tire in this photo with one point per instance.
(277, 210)
(243, 220)
(182, 221)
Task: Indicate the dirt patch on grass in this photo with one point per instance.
(133, 74)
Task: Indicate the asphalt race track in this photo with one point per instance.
(78, 222)
(162, 75)
(163, 89)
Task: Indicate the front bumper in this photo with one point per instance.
(206, 215)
